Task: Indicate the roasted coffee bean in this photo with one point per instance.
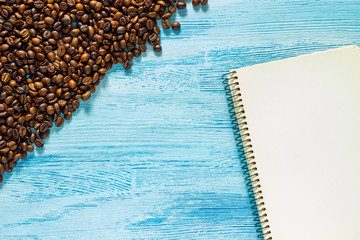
(4, 151)
(61, 51)
(43, 127)
(196, 2)
(166, 15)
(63, 6)
(39, 143)
(23, 146)
(59, 122)
(166, 23)
(127, 65)
(71, 3)
(4, 47)
(5, 77)
(86, 96)
(30, 148)
(87, 81)
(22, 131)
(68, 115)
(12, 145)
(181, 5)
(17, 157)
(3, 144)
(175, 25)
(2, 171)
(54, 53)
(157, 48)
(45, 134)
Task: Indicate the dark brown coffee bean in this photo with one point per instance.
(39, 143)
(12, 145)
(30, 148)
(172, 9)
(50, 110)
(85, 57)
(106, 26)
(68, 116)
(175, 25)
(87, 81)
(23, 146)
(43, 127)
(86, 96)
(4, 47)
(152, 14)
(5, 150)
(31, 54)
(157, 48)
(181, 5)
(5, 77)
(59, 122)
(98, 6)
(127, 65)
(17, 157)
(142, 48)
(39, 4)
(9, 166)
(45, 134)
(10, 121)
(3, 160)
(71, 3)
(166, 23)
(22, 131)
(196, 2)
(3, 144)
(120, 30)
(166, 15)
(51, 56)
(23, 154)
(76, 104)
(63, 6)
(2, 171)
(153, 37)
(61, 51)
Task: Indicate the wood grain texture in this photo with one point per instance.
(152, 154)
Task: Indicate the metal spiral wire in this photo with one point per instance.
(247, 159)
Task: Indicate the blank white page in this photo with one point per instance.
(303, 116)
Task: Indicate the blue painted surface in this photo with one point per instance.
(152, 154)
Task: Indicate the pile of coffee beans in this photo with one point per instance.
(55, 52)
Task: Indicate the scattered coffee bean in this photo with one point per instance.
(157, 48)
(166, 23)
(59, 121)
(181, 5)
(175, 25)
(196, 2)
(55, 52)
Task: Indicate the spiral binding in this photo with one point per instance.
(248, 163)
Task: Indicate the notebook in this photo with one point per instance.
(299, 122)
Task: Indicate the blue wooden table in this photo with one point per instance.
(152, 154)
